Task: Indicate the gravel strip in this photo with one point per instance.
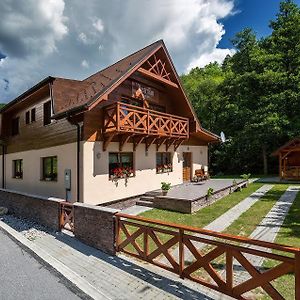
(30, 229)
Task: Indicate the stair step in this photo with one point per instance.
(144, 203)
(153, 194)
(146, 198)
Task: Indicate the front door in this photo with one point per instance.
(187, 162)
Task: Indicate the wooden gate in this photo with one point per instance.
(220, 261)
(66, 216)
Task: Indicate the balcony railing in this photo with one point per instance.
(126, 118)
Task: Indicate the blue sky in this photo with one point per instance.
(250, 13)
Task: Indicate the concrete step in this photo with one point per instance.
(144, 203)
(153, 194)
(146, 198)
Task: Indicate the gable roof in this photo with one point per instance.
(73, 96)
(99, 83)
(294, 143)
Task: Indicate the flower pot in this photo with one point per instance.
(164, 192)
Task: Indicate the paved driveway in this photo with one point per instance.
(23, 277)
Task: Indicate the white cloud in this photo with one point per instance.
(85, 63)
(50, 37)
(98, 24)
(217, 55)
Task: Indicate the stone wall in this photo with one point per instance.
(95, 226)
(43, 210)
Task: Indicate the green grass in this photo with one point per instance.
(205, 215)
(249, 220)
(289, 234)
(199, 219)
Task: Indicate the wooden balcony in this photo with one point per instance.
(131, 121)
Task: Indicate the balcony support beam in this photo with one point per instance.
(159, 142)
(123, 139)
(136, 141)
(170, 142)
(107, 139)
(178, 143)
(149, 141)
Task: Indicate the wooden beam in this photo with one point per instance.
(178, 144)
(149, 141)
(137, 141)
(157, 77)
(123, 139)
(159, 142)
(169, 143)
(107, 139)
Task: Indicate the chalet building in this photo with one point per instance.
(116, 134)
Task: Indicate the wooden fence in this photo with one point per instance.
(219, 260)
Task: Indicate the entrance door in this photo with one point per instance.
(187, 166)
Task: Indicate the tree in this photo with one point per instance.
(254, 96)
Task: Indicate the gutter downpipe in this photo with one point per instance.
(78, 160)
(3, 166)
(78, 140)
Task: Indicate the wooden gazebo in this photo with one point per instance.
(289, 160)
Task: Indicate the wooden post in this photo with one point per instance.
(118, 116)
(146, 243)
(181, 253)
(280, 165)
(117, 233)
(297, 276)
(229, 270)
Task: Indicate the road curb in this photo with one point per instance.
(66, 272)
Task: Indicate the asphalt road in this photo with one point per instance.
(23, 276)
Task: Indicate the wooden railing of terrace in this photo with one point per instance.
(129, 121)
(218, 258)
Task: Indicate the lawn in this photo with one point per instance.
(289, 234)
(205, 215)
(249, 220)
(199, 219)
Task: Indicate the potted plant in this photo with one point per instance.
(165, 187)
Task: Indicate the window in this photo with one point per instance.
(33, 115)
(47, 113)
(121, 165)
(163, 162)
(49, 168)
(18, 168)
(15, 126)
(27, 117)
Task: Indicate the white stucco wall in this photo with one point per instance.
(31, 182)
(97, 188)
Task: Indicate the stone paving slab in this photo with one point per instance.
(195, 190)
(225, 220)
(269, 227)
(136, 210)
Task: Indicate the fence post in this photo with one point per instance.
(181, 253)
(117, 233)
(146, 243)
(229, 270)
(297, 275)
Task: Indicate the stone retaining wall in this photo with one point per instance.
(95, 226)
(43, 210)
(190, 206)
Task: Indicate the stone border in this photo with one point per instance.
(95, 226)
(43, 210)
(190, 206)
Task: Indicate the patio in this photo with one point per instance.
(190, 197)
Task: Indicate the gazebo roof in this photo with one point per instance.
(292, 145)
